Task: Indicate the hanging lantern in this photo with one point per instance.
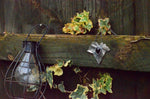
(25, 72)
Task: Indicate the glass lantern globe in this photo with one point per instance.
(25, 71)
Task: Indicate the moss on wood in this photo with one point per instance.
(127, 52)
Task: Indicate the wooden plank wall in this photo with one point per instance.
(126, 16)
(142, 13)
(126, 84)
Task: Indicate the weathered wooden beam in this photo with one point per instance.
(127, 52)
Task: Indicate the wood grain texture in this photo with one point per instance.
(127, 17)
(124, 55)
(2, 22)
(134, 84)
(121, 13)
(142, 15)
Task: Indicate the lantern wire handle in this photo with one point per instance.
(34, 28)
(38, 43)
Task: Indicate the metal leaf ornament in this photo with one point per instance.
(98, 50)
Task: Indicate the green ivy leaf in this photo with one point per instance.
(67, 63)
(95, 97)
(79, 15)
(103, 90)
(101, 22)
(108, 83)
(32, 88)
(60, 63)
(43, 77)
(51, 68)
(89, 25)
(49, 75)
(76, 19)
(85, 13)
(106, 20)
(77, 70)
(84, 19)
(109, 89)
(79, 24)
(96, 88)
(79, 92)
(104, 26)
(103, 31)
(61, 87)
(76, 28)
(56, 69)
(55, 86)
(58, 72)
(101, 85)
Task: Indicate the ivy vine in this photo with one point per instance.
(80, 24)
(102, 84)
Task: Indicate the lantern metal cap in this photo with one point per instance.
(29, 46)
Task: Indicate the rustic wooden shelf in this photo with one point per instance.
(127, 52)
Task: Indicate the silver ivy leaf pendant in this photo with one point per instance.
(98, 50)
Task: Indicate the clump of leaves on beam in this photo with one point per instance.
(80, 24)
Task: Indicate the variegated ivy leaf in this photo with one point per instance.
(32, 88)
(89, 25)
(101, 85)
(80, 24)
(104, 26)
(67, 63)
(49, 75)
(76, 28)
(104, 22)
(10, 57)
(57, 67)
(60, 63)
(80, 92)
(68, 28)
(107, 82)
(83, 14)
(77, 70)
(58, 71)
(96, 88)
(84, 19)
(52, 68)
(55, 86)
(61, 87)
(43, 77)
(96, 97)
